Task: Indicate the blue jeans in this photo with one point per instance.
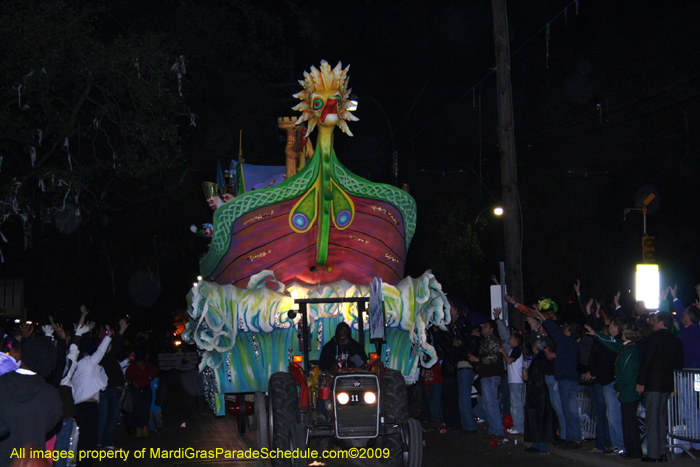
(568, 391)
(155, 422)
(142, 406)
(602, 436)
(479, 410)
(505, 396)
(109, 415)
(540, 446)
(63, 440)
(489, 389)
(614, 415)
(436, 402)
(517, 407)
(555, 400)
(465, 379)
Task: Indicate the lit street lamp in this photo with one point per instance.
(647, 279)
(497, 211)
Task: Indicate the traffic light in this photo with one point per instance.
(648, 250)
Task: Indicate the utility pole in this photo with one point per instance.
(509, 166)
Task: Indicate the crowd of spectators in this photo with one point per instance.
(528, 381)
(53, 380)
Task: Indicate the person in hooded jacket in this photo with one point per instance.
(29, 405)
(342, 350)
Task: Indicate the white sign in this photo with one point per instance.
(178, 361)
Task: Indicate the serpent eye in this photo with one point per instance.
(318, 103)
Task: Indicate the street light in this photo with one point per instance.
(497, 211)
(354, 102)
(647, 283)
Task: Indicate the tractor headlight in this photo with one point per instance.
(370, 397)
(343, 398)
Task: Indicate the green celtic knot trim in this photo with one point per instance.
(226, 215)
(360, 187)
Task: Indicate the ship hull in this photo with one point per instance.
(253, 233)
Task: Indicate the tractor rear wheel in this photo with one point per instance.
(412, 443)
(261, 420)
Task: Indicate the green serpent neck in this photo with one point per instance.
(324, 151)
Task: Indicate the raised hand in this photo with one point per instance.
(577, 287)
(26, 330)
(589, 307)
(616, 298)
(509, 299)
(494, 279)
(674, 291)
(47, 330)
(538, 314)
(123, 325)
(496, 313)
(83, 313)
(664, 293)
(60, 333)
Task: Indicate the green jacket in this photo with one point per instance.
(626, 368)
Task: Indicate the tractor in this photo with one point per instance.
(357, 407)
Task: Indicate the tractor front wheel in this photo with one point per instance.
(394, 400)
(285, 430)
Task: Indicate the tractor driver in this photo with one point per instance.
(342, 350)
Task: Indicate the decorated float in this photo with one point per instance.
(315, 231)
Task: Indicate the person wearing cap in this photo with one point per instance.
(490, 368)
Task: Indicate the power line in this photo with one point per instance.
(623, 107)
(620, 122)
(471, 90)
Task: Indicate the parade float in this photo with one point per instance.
(321, 232)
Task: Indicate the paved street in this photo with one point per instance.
(203, 431)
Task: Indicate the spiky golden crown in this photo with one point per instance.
(325, 81)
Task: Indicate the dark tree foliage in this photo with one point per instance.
(454, 253)
(81, 113)
(113, 113)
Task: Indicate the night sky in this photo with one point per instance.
(613, 112)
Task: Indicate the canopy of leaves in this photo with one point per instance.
(80, 112)
(112, 115)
